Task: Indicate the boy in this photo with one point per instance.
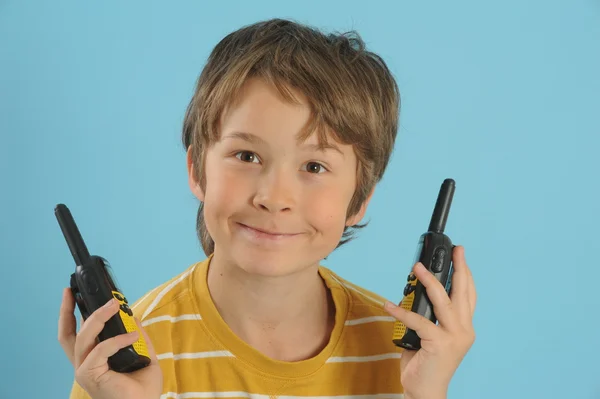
(286, 136)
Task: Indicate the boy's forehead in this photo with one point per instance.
(315, 133)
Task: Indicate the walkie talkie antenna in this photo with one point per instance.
(442, 207)
(71, 232)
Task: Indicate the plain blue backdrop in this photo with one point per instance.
(501, 96)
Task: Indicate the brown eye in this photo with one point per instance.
(246, 156)
(314, 167)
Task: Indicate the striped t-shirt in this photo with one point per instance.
(201, 357)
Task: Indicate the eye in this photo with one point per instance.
(246, 156)
(315, 167)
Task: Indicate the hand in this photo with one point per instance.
(91, 359)
(426, 373)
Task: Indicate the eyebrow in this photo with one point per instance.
(249, 137)
(254, 139)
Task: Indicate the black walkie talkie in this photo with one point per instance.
(93, 285)
(434, 251)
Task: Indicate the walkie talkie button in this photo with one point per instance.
(408, 289)
(437, 263)
(411, 277)
(126, 309)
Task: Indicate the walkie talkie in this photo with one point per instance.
(93, 284)
(434, 251)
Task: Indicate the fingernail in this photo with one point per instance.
(390, 305)
(109, 303)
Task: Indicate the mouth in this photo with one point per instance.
(266, 234)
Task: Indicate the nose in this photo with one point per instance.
(275, 193)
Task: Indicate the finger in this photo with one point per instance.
(67, 324)
(425, 329)
(470, 284)
(149, 345)
(460, 284)
(472, 291)
(97, 360)
(86, 339)
(443, 307)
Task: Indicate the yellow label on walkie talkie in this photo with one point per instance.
(406, 303)
(130, 325)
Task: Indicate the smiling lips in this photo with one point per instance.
(266, 234)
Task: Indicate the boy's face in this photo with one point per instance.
(273, 205)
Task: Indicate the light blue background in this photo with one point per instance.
(501, 96)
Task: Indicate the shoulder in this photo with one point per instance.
(165, 295)
(364, 306)
(359, 297)
(367, 326)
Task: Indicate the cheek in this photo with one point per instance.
(224, 191)
(328, 212)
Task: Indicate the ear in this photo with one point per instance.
(193, 181)
(352, 220)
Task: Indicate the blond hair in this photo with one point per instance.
(350, 90)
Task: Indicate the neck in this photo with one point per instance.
(271, 313)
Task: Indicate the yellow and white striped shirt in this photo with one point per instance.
(201, 357)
